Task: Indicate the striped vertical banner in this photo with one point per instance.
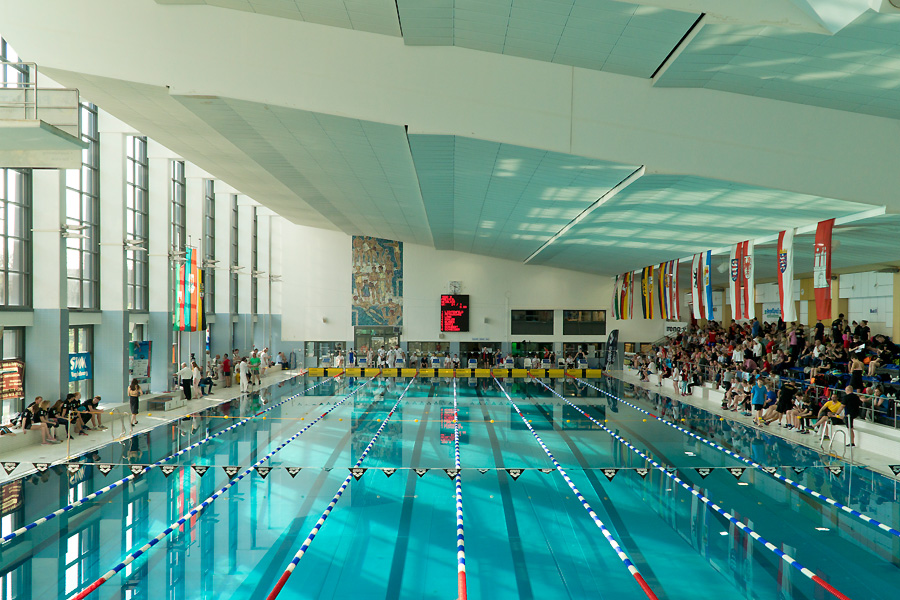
(193, 288)
(674, 299)
(615, 299)
(663, 291)
(707, 285)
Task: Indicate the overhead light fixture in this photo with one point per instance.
(723, 533)
(689, 453)
(236, 268)
(743, 483)
(257, 274)
(822, 529)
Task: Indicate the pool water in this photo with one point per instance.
(395, 536)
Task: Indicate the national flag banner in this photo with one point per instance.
(748, 278)
(663, 291)
(647, 292)
(707, 285)
(696, 285)
(179, 299)
(785, 270)
(615, 298)
(193, 289)
(674, 300)
(735, 293)
(822, 269)
(623, 296)
(631, 294)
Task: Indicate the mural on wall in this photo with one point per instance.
(377, 281)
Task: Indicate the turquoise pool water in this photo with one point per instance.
(395, 536)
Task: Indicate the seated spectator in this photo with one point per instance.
(35, 417)
(90, 413)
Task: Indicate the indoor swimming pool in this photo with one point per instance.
(392, 532)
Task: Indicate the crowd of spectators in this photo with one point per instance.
(780, 372)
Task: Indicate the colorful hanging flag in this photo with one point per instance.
(623, 296)
(735, 270)
(748, 279)
(647, 292)
(615, 299)
(707, 285)
(785, 268)
(190, 313)
(674, 300)
(663, 291)
(631, 294)
(696, 286)
(822, 269)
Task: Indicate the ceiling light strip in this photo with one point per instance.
(637, 174)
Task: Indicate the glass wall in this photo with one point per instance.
(584, 322)
(254, 262)
(233, 287)
(12, 347)
(531, 322)
(179, 208)
(137, 224)
(83, 219)
(15, 238)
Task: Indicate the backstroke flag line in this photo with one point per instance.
(785, 269)
(822, 269)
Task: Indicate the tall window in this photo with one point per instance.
(83, 215)
(15, 238)
(209, 245)
(254, 263)
(11, 75)
(179, 207)
(234, 254)
(136, 224)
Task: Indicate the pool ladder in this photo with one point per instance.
(829, 427)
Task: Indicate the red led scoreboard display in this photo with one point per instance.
(454, 312)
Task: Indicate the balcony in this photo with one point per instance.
(39, 127)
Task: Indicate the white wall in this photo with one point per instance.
(316, 286)
(870, 297)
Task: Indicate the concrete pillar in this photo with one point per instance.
(112, 335)
(47, 341)
(162, 274)
(276, 270)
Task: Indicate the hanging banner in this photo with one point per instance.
(615, 299)
(647, 292)
(696, 285)
(748, 281)
(139, 361)
(785, 269)
(189, 309)
(631, 295)
(662, 288)
(735, 293)
(707, 285)
(822, 269)
(12, 377)
(623, 297)
(674, 300)
(80, 367)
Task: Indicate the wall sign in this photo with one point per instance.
(454, 312)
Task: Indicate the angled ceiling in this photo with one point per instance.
(504, 127)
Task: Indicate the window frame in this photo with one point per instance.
(137, 224)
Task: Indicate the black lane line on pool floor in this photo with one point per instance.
(523, 583)
(634, 549)
(398, 561)
(273, 570)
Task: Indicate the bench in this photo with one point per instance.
(20, 439)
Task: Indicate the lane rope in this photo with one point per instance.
(11, 536)
(609, 538)
(776, 475)
(200, 507)
(709, 503)
(460, 533)
(321, 522)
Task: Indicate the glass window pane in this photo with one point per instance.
(16, 292)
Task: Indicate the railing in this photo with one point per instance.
(24, 101)
(868, 413)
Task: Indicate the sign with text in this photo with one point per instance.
(454, 312)
(11, 378)
(80, 366)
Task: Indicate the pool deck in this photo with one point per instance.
(875, 456)
(120, 429)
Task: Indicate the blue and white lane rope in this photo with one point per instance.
(460, 533)
(769, 545)
(609, 538)
(321, 522)
(200, 507)
(758, 466)
(10, 536)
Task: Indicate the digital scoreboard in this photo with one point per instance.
(454, 312)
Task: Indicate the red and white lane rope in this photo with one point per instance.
(200, 507)
(609, 538)
(768, 471)
(460, 533)
(11, 536)
(769, 545)
(321, 522)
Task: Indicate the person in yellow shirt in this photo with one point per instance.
(832, 409)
